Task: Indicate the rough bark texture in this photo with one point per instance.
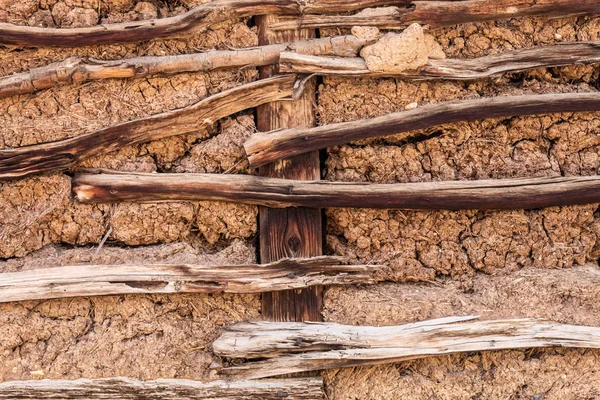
(97, 280)
(125, 388)
(266, 147)
(198, 19)
(61, 155)
(295, 347)
(502, 194)
(438, 14)
(77, 70)
(557, 55)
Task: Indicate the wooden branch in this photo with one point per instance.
(438, 14)
(75, 70)
(266, 147)
(557, 55)
(162, 389)
(297, 347)
(505, 194)
(196, 20)
(63, 154)
(101, 280)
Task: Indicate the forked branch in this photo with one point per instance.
(277, 193)
(297, 347)
(266, 147)
(63, 154)
(100, 280)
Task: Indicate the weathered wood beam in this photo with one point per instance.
(296, 347)
(265, 147)
(162, 389)
(76, 70)
(61, 155)
(438, 14)
(557, 55)
(100, 280)
(289, 232)
(195, 20)
(527, 193)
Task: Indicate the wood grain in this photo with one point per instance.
(557, 55)
(77, 70)
(266, 147)
(162, 389)
(296, 347)
(62, 155)
(196, 20)
(295, 232)
(505, 194)
(437, 14)
(100, 280)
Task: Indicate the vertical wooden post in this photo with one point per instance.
(293, 232)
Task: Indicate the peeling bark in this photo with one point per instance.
(557, 55)
(297, 347)
(195, 20)
(76, 70)
(504, 194)
(438, 14)
(266, 147)
(61, 155)
(100, 280)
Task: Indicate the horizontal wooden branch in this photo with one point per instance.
(99, 280)
(526, 193)
(61, 155)
(438, 14)
(196, 20)
(266, 147)
(75, 70)
(162, 389)
(297, 347)
(557, 55)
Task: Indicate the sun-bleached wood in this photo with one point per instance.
(63, 154)
(438, 14)
(557, 55)
(524, 193)
(194, 21)
(265, 147)
(163, 389)
(99, 280)
(297, 347)
(76, 70)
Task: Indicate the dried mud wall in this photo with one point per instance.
(145, 337)
(525, 263)
(496, 264)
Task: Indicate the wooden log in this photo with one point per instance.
(505, 194)
(76, 70)
(557, 55)
(295, 232)
(162, 389)
(296, 347)
(196, 20)
(61, 155)
(265, 147)
(101, 280)
(438, 14)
